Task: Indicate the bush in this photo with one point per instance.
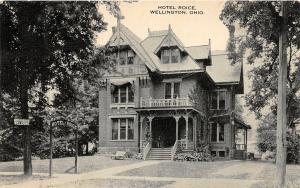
(139, 156)
(194, 156)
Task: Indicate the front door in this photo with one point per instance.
(163, 132)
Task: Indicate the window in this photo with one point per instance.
(170, 56)
(130, 57)
(125, 57)
(176, 90)
(115, 129)
(123, 94)
(218, 100)
(213, 153)
(130, 94)
(168, 91)
(175, 56)
(172, 90)
(214, 131)
(221, 132)
(165, 56)
(221, 153)
(122, 129)
(217, 132)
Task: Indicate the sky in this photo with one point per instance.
(192, 29)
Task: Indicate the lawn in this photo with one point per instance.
(106, 183)
(179, 169)
(66, 165)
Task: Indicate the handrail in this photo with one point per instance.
(146, 150)
(174, 149)
(176, 102)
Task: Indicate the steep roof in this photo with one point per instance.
(198, 52)
(222, 71)
(129, 38)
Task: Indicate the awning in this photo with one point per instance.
(121, 81)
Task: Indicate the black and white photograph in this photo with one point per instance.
(150, 94)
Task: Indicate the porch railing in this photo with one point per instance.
(177, 102)
(240, 146)
(146, 150)
(174, 150)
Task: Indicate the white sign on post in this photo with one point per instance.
(21, 121)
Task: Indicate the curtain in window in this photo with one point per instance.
(130, 129)
(122, 129)
(176, 90)
(123, 94)
(115, 95)
(222, 96)
(175, 55)
(130, 94)
(114, 129)
(165, 56)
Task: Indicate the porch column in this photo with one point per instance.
(141, 131)
(246, 139)
(150, 121)
(176, 119)
(194, 132)
(186, 131)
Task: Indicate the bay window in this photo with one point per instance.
(122, 129)
(218, 100)
(123, 94)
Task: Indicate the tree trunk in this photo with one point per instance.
(24, 115)
(87, 149)
(281, 115)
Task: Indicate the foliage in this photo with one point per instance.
(49, 46)
(266, 138)
(194, 156)
(254, 32)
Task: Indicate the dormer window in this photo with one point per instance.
(170, 56)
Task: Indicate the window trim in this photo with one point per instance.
(218, 99)
(218, 133)
(169, 52)
(172, 88)
(126, 58)
(119, 96)
(119, 128)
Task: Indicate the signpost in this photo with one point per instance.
(27, 149)
(62, 122)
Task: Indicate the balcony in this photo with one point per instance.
(155, 103)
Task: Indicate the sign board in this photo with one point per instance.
(59, 122)
(21, 121)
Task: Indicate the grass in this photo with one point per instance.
(103, 183)
(14, 179)
(178, 169)
(66, 165)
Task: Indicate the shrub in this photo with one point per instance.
(194, 156)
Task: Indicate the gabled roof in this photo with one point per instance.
(188, 63)
(222, 71)
(123, 36)
(170, 39)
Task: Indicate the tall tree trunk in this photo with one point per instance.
(24, 115)
(281, 110)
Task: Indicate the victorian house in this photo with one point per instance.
(164, 97)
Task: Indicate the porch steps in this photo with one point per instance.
(159, 154)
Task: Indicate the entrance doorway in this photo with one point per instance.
(163, 132)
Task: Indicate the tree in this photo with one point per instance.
(45, 45)
(254, 32)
